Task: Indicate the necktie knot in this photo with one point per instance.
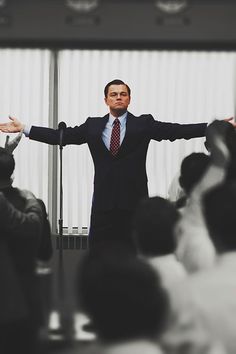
(116, 122)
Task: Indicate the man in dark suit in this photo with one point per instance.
(118, 143)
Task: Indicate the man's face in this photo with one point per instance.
(117, 99)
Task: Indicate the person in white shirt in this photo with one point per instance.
(203, 305)
(153, 232)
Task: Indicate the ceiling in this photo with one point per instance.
(134, 24)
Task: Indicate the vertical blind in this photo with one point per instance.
(174, 86)
(24, 88)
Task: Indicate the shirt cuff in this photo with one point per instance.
(26, 130)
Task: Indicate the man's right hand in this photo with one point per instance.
(14, 126)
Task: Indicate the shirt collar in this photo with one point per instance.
(122, 119)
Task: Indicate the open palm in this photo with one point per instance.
(14, 126)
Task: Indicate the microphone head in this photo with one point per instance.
(62, 125)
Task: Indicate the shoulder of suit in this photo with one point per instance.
(144, 116)
(130, 115)
(98, 118)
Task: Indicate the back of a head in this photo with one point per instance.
(192, 169)
(219, 210)
(123, 297)
(7, 165)
(154, 224)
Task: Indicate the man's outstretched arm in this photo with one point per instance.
(77, 135)
(46, 135)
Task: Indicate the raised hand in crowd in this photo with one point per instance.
(217, 135)
(11, 145)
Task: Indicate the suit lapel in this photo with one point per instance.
(99, 130)
(102, 124)
(127, 141)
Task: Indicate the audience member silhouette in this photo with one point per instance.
(204, 304)
(125, 302)
(194, 247)
(192, 169)
(21, 223)
(154, 224)
(230, 141)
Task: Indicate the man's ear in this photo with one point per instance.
(105, 100)
(181, 181)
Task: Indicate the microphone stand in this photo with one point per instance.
(60, 221)
(66, 325)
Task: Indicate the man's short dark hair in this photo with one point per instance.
(7, 164)
(192, 169)
(115, 82)
(154, 223)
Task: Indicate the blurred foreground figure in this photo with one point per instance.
(203, 305)
(154, 223)
(125, 302)
(21, 225)
(195, 248)
(11, 145)
(192, 169)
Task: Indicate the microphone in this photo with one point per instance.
(61, 128)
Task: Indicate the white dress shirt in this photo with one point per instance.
(106, 134)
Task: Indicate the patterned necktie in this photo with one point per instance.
(115, 137)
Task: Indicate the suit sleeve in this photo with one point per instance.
(172, 131)
(77, 135)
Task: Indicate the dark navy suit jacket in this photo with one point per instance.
(120, 181)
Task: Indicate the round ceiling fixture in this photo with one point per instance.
(171, 6)
(82, 6)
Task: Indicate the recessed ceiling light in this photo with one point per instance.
(171, 6)
(82, 6)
